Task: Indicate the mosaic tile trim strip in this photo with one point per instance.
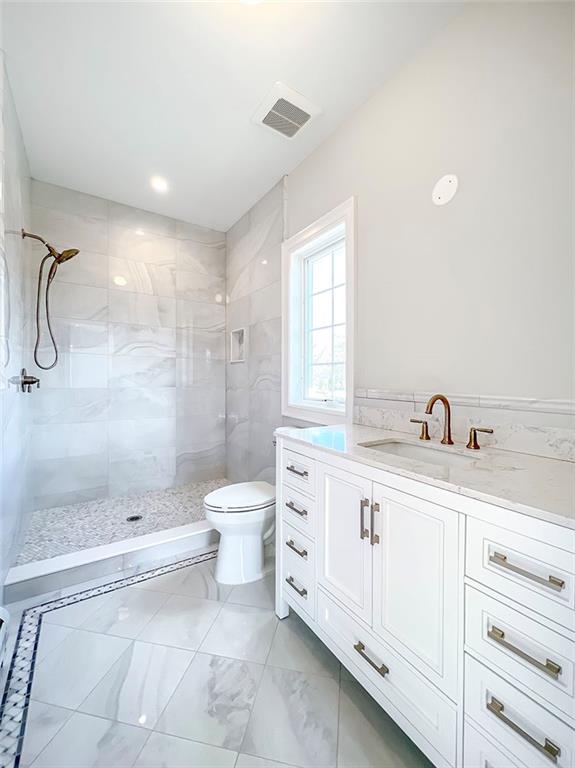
(16, 699)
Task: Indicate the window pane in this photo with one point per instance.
(321, 346)
(321, 310)
(320, 273)
(339, 344)
(339, 265)
(339, 383)
(339, 305)
(320, 384)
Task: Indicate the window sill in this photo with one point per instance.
(324, 417)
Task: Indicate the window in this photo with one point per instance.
(318, 272)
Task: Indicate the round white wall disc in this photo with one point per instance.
(445, 189)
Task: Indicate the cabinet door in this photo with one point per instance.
(415, 583)
(343, 540)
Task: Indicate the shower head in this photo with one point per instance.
(58, 257)
(65, 255)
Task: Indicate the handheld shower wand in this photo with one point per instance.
(58, 258)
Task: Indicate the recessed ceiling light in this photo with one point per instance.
(140, 232)
(159, 184)
(120, 280)
(264, 262)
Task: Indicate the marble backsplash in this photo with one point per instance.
(536, 427)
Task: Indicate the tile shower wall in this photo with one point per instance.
(137, 400)
(254, 303)
(14, 407)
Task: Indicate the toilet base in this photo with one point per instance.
(240, 559)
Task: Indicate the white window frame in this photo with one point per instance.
(292, 404)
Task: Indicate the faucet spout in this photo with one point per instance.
(447, 416)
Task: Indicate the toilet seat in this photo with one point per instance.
(241, 497)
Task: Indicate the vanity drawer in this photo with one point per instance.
(479, 752)
(298, 471)
(299, 510)
(298, 551)
(298, 573)
(429, 712)
(538, 575)
(528, 731)
(534, 655)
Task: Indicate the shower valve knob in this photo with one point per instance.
(27, 382)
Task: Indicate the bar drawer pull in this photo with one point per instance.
(551, 581)
(363, 532)
(549, 749)
(292, 506)
(549, 667)
(298, 472)
(302, 592)
(301, 552)
(360, 648)
(373, 538)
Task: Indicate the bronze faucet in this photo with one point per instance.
(447, 413)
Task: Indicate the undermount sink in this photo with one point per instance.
(444, 457)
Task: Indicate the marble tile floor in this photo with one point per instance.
(61, 530)
(186, 673)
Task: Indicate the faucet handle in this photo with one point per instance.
(424, 434)
(472, 443)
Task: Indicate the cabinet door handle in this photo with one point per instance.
(298, 472)
(549, 667)
(380, 669)
(548, 748)
(363, 532)
(301, 552)
(302, 592)
(552, 582)
(292, 506)
(374, 538)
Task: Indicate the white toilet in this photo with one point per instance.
(243, 514)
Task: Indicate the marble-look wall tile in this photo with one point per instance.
(205, 258)
(142, 309)
(78, 302)
(201, 372)
(142, 470)
(146, 434)
(139, 245)
(79, 336)
(74, 371)
(75, 474)
(142, 340)
(68, 200)
(253, 399)
(208, 344)
(71, 230)
(69, 406)
(142, 403)
(200, 315)
(133, 218)
(197, 286)
(127, 371)
(153, 279)
(60, 441)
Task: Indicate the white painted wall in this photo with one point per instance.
(476, 296)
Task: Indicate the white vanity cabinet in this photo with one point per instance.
(457, 616)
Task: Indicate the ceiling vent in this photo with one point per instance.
(285, 111)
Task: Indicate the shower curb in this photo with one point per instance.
(37, 578)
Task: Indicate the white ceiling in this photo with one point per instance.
(110, 93)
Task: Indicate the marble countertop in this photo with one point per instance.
(540, 487)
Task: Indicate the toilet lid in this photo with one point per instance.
(241, 496)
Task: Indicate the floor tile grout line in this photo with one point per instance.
(33, 616)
